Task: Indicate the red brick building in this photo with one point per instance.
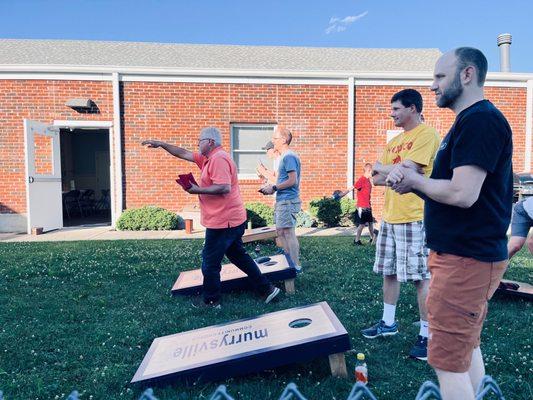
(74, 114)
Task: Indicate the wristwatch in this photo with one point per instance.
(274, 188)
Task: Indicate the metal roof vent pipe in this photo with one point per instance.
(504, 43)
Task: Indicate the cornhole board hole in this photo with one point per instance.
(266, 232)
(275, 269)
(514, 288)
(250, 345)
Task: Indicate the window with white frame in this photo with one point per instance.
(247, 141)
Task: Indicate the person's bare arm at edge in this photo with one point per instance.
(176, 151)
(381, 172)
(342, 194)
(213, 189)
(290, 182)
(461, 191)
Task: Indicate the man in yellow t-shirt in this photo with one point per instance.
(401, 252)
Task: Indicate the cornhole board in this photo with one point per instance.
(295, 335)
(515, 288)
(231, 277)
(266, 232)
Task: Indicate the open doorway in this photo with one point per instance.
(85, 177)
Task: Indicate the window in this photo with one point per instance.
(246, 147)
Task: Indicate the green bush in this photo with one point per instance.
(347, 206)
(327, 210)
(148, 218)
(304, 220)
(260, 214)
(347, 211)
(313, 208)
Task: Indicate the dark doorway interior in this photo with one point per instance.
(85, 177)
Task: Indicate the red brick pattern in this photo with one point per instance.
(40, 100)
(372, 107)
(175, 112)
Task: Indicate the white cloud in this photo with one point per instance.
(339, 25)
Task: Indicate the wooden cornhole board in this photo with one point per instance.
(231, 277)
(515, 288)
(249, 345)
(266, 232)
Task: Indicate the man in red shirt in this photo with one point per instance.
(222, 213)
(363, 214)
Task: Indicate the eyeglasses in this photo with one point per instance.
(199, 141)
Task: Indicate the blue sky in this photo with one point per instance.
(332, 23)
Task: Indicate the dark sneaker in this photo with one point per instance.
(420, 349)
(380, 329)
(198, 302)
(275, 291)
(358, 243)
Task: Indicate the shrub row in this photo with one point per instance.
(148, 218)
(325, 211)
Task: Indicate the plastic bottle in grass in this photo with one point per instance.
(361, 370)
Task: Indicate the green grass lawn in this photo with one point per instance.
(81, 315)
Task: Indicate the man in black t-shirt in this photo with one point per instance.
(467, 213)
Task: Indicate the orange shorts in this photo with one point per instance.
(457, 304)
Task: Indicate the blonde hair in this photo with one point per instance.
(285, 134)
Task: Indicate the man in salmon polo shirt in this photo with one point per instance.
(222, 213)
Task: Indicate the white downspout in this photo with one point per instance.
(116, 171)
(529, 125)
(351, 134)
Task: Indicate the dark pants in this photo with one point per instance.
(228, 241)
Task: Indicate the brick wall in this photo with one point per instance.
(40, 100)
(372, 108)
(175, 112)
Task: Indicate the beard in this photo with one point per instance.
(449, 96)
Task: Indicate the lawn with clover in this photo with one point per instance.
(81, 315)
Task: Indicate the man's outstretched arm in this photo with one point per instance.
(176, 151)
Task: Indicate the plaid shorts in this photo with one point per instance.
(401, 250)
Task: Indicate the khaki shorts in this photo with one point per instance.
(285, 213)
(457, 304)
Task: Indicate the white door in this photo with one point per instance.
(43, 176)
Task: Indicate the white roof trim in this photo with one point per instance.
(235, 80)
(65, 72)
(202, 72)
(82, 124)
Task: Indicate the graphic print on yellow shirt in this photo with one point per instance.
(419, 145)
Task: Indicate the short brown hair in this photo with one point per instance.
(467, 56)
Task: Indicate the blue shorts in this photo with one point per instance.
(521, 221)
